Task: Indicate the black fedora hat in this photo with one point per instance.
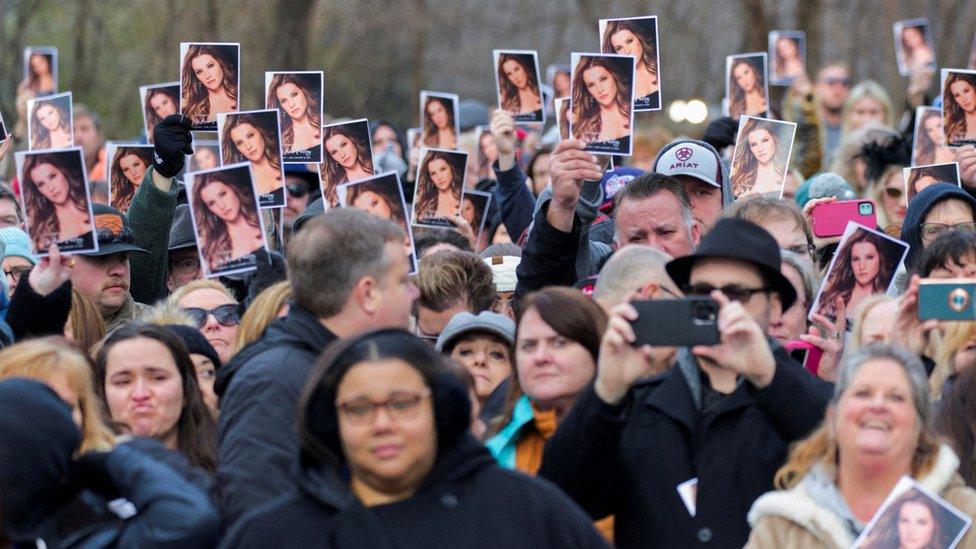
(743, 240)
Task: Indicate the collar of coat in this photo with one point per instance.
(797, 506)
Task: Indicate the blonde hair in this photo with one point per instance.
(86, 322)
(44, 359)
(868, 89)
(204, 283)
(955, 335)
(876, 190)
(864, 308)
(262, 311)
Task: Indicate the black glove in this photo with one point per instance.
(91, 471)
(171, 139)
(721, 133)
(271, 268)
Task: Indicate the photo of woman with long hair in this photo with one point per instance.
(440, 182)
(917, 178)
(636, 37)
(206, 156)
(929, 147)
(914, 520)
(158, 102)
(864, 265)
(746, 85)
(913, 46)
(380, 196)
(786, 49)
(50, 124)
(253, 136)
(761, 157)
(128, 168)
(601, 105)
(348, 156)
(208, 82)
(561, 106)
(518, 85)
(487, 152)
(41, 70)
(298, 96)
(439, 120)
(56, 201)
(226, 219)
(959, 107)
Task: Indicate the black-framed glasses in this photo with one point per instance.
(731, 291)
(893, 192)
(14, 274)
(226, 315)
(400, 406)
(297, 191)
(931, 231)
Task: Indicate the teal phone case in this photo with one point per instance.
(947, 300)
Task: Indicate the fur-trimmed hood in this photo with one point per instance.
(797, 506)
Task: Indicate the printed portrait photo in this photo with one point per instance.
(788, 54)
(928, 146)
(439, 120)
(474, 210)
(959, 107)
(226, 220)
(761, 158)
(486, 152)
(158, 102)
(50, 122)
(746, 91)
(348, 156)
(298, 97)
(56, 201)
(517, 84)
(601, 109)
(440, 182)
(206, 156)
(128, 165)
(41, 70)
(919, 177)
(381, 195)
(912, 516)
(209, 82)
(254, 136)
(914, 49)
(637, 37)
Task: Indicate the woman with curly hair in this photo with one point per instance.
(756, 168)
(227, 218)
(50, 125)
(635, 37)
(959, 107)
(209, 83)
(518, 86)
(128, 169)
(439, 130)
(253, 137)
(54, 193)
(929, 140)
(747, 88)
(348, 158)
(301, 126)
(159, 102)
(601, 103)
(862, 269)
(438, 191)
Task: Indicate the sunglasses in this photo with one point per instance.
(226, 315)
(732, 291)
(297, 191)
(893, 192)
(834, 81)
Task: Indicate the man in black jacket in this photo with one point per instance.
(679, 454)
(349, 274)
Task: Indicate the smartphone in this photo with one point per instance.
(806, 354)
(831, 218)
(947, 299)
(680, 322)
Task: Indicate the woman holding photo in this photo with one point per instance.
(628, 37)
(439, 123)
(301, 127)
(160, 103)
(759, 169)
(876, 431)
(40, 75)
(378, 199)
(748, 89)
(519, 86)
(787, 62)
(930, 141)
(246, 137)
(959, 106)
(50, 126)
(438, 189)
(209, 83)
(227, 217)
(347, 157)
(601, 102)
(128, 169)
(54, 193)
(861, 270)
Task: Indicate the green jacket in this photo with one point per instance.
(150, 217)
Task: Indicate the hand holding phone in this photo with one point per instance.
(808, 355)
(947, 299)
(681, 322)
(831, 218)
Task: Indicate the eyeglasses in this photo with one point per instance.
(15, 274)
(802, 249)
(297, 191)
(226, 315)
(731, 291)
(931, 231)
(837, 81)
(893, 192)
(401, 406)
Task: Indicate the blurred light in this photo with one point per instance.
(678, 110)
(696, 111)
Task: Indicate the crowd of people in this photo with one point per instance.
(486, 387)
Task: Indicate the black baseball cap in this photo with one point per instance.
(114, 233)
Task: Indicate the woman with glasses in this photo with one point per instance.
(386, 460)
(937, 209)
(214, 311)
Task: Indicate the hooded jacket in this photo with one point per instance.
(919, 207)
(794, 519)
(259, 391)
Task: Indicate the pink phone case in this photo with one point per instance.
(831, 219)
(814, 353)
